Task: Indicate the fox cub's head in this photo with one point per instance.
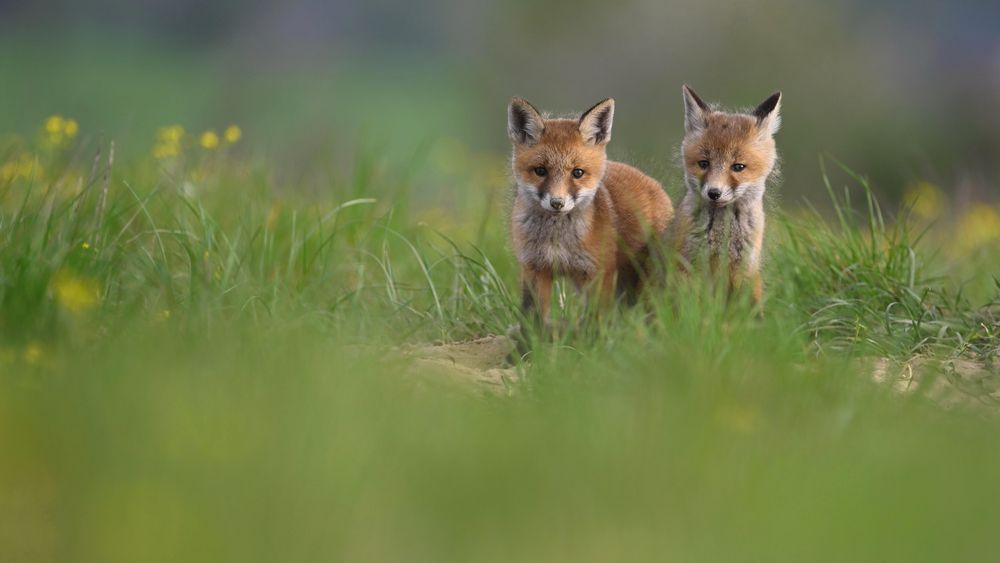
(559, 163)
(728, 156)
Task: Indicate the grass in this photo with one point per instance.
(196, 365)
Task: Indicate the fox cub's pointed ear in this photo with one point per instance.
(768, 114)
(694, 110)
(595, 123)
(524, 123)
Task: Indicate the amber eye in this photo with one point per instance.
(703, 164)
(541, 171)
(578, 173)
(738, 167)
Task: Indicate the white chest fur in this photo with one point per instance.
(552, 241)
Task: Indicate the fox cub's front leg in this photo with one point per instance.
(536, 292)
(746, 240)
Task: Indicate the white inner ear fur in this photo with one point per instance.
(595, 126)
(524, 125)
(694, 115)
(770, 124)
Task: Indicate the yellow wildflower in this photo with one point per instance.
(32, 353)
(978, 226)
(165, 150)
(925, 199)
(209, 140)
(70, 128)
(57, 130)
(54, 124)
(232, 134)
(170, 134)
(85, 246)
(22, 165)
(168, 141)
(76, 294)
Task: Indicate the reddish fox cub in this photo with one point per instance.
(727, 159)
(577, 214)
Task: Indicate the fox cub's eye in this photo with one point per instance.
(739, 167)
(541, 171)
(578, 172)
(703, 164)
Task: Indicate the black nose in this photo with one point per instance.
(556, 203)
(714, 193)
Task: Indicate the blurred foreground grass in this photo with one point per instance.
(197, 365)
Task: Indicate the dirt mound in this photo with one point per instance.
(950, 383)
(479, 365)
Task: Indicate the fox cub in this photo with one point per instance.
(727, 159)
(575, 213)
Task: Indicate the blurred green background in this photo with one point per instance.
(901, 91)
(211, 350)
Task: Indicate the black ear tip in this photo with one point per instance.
(768, 105)
(689, 94)
(607, 105)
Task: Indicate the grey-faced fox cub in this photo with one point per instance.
(727, 159)
(577, 214)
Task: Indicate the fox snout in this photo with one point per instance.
(717, 195)
(558, 204)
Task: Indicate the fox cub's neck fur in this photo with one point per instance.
(576, 213)
(556, 241)
(727, 160)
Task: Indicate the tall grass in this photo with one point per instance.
(204, 367)
(865, 287)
